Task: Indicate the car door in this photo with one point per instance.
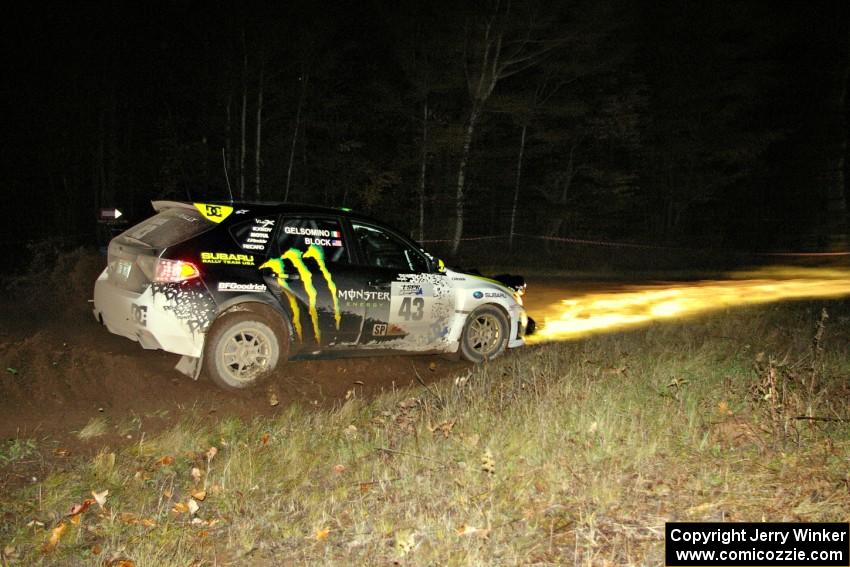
(311, 270)
(407, 305)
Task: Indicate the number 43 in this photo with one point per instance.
(412, 308)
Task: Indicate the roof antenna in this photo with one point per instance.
(227, 179)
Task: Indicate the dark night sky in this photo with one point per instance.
(700, 124)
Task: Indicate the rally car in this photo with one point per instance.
(238, 288)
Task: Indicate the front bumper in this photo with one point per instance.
(172, 320)
(519, 322)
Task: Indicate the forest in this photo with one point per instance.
(518, 124)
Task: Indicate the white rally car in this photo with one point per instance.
(238, 288)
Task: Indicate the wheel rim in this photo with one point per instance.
(246, 353)
(484, 335)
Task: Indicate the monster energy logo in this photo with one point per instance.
(296, 258)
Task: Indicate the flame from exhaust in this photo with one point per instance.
(606, 311)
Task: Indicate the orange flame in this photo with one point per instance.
(605, 311)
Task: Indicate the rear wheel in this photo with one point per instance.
(485, 335)
(244, 347)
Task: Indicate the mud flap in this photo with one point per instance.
(190, 366)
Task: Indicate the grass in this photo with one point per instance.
(96, 427)
(15, 450)
(569, 453)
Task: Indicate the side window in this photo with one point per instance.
(301, 233)
(384, 250)
(254, 235)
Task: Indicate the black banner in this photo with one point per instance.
(694, 544)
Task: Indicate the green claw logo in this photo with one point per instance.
(296, 258)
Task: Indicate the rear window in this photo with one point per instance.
(254, 235)
(168, 228)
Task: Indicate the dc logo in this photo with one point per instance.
(477, 294)
(213, 211)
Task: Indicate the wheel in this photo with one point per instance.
(485, 334)
(244, 347)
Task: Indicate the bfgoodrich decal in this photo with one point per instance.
(241, 287)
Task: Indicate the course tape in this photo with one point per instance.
(611, 244)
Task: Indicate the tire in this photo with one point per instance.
(243, 348)
(485, 334)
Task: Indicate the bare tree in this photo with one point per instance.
(244, 112)
(257, 154)
(545, 89)
(491, 54)
(423, 166)
(304, 77)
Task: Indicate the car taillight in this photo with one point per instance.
(175, 271)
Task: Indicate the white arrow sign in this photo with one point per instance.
(109, 214)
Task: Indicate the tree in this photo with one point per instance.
(420, 40)
(497, 44)
(701, 137)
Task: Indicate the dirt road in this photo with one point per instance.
(58, 373)
(59, 369)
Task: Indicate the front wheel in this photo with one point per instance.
(242, 348)
(485, 334)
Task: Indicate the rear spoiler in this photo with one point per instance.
(213, 212)
(160, 206)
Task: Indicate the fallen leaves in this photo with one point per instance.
(405, 541)
(191, 506)
(55, 536)
(78, 509)
(488, 463)
(100, 497)
(723, 408)
(465, 530)
(272, 396)
(445, 428)
(165, 461)
(131, 519)
(10, 552)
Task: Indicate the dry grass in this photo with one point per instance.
(96, 427)
(571, 453)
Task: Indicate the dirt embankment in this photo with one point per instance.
(59, 369)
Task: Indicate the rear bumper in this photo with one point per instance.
(172, 320)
